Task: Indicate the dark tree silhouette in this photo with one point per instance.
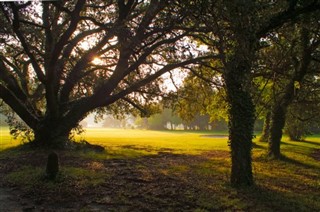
(61, 60)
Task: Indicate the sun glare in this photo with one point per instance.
(97, 61)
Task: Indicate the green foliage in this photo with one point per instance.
(18, 129)
(200, 102)
(194, 97)
(299, 122)
(303, 113)
(217, 108)
(157, 122)
(286, 85)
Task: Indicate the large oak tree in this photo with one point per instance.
(61, 60)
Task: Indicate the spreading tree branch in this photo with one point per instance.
(283, 17)
(18, 107)
(24, 43)
(104, 100)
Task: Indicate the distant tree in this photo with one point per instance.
(220, 125)
(171, 118)
(111, 122)
(141, 123)
(200, 99)
(287, 71)
(304, 112)
(200, 122)
(157, 122)
(301, 66)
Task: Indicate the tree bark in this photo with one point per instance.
(238, 62)
(51, 135)
(241, 121)
(240, 137)
(278, 119)
(266, 128)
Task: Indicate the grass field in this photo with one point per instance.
(166, 171)
(153, 141)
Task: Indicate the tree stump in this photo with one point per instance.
(52, 168)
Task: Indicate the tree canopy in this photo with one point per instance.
(61, 60)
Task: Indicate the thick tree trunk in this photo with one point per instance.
(237, 76)
(51, 137)
(241, 122)
(266, 128)
(241, 116)
(53, 133)
(278, 118)
(55, 130)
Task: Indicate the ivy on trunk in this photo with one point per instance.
(241, 120)
(266, 128)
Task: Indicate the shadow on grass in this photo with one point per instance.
(284, 143)
(311, 142)
(164, 181)
(257, 146)
(15, 150)
(297, 163)
(299, 143)
(268, 199)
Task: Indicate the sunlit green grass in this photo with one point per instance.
(187, 142)
(6, 140)
(133, 143)
(177, 141)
